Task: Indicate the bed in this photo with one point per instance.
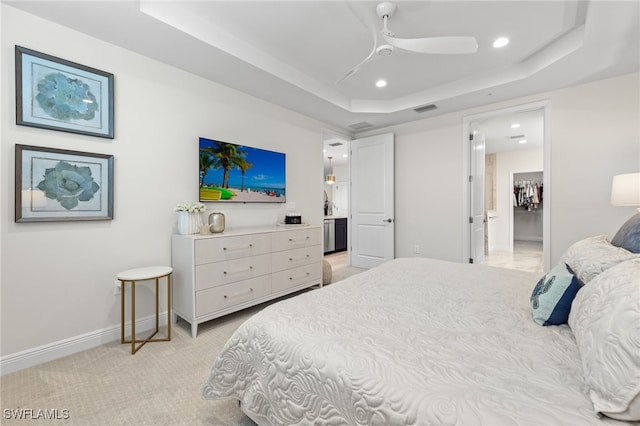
(420, 341)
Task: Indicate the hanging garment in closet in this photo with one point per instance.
(527, 195)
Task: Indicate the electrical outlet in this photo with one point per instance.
(416, 249)
(117, 287)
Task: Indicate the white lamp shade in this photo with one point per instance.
(625, 190)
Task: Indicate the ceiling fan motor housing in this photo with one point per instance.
(384, 50)
(386, 8)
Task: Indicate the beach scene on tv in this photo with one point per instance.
(238, 173)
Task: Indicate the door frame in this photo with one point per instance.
(477, 222)
(546, 147)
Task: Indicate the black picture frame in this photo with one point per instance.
(62, 185)
(57, 94)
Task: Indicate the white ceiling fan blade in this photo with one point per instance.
(355, 69)
(349, 73)
(435, 45)
(369, 25)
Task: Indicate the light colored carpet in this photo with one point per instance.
(160, 385)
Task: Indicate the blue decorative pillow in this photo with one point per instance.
(553, 294)
(628, 236)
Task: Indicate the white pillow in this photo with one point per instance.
(605, 319)
(591, 256)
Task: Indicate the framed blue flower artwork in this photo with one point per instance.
(62, 185)
(56, 94)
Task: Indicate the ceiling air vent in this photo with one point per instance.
(361, 126)
(425, 108)
(335, 144)
(517, 136)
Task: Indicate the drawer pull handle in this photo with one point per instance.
(299, 277)
(239, 271)
(241, 293)
(301, 239)
(238, 248)
(291, 259)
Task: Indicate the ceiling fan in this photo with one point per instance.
(429, 45)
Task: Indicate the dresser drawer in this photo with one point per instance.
(297, 257)
(218, 298)
(229, 271)
(296, 238)
(294, 277)
(226, 248)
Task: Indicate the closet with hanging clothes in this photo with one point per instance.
(528, 204)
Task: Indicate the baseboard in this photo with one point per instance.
(52, 351)
(527, 238)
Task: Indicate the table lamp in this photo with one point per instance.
(625, 190)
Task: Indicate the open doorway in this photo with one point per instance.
(335, 203)
(524, 250)
(515, 145)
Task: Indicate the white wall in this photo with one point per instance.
(428, 201)
(595, 134)
(340, 190)
(57, 278)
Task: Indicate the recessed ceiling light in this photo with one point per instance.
(522, 141)
(381, 83)
(500, 42)
(345, 155)
(515, 125)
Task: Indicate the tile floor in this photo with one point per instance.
(526, 256)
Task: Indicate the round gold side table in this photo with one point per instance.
(143, 274)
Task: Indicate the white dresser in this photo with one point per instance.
(216, 274)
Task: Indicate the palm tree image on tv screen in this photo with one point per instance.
(239, 173)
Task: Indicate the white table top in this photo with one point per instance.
(147, 273)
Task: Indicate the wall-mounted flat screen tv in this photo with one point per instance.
(239, 173)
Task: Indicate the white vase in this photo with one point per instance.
(188, 223)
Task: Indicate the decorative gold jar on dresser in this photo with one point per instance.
(216, 222)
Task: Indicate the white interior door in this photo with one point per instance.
(476, 193)
(372, 201)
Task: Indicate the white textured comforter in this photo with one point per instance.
(413, 342)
